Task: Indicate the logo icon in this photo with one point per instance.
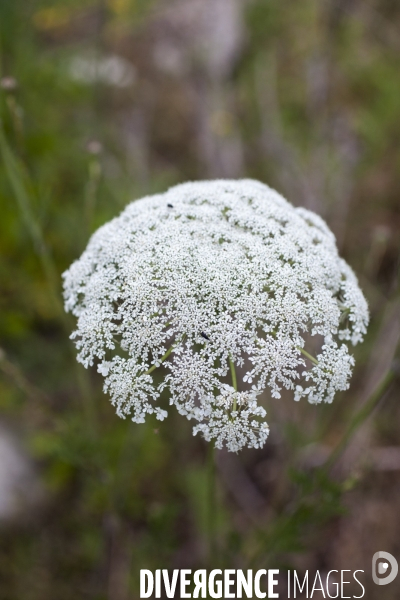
(380, 568)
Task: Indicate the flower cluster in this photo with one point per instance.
(210, 283)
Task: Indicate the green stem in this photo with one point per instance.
(234, 379)
(359, 418)
(211, 504)
(233, 373)
(164, 357)
(307, 355)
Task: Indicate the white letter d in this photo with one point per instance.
(146, 574)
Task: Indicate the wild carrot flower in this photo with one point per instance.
(187, 292)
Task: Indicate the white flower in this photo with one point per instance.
(185, 286)
(233, 418)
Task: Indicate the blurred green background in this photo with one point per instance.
(104, 101)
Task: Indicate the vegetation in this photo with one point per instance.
(102, 102)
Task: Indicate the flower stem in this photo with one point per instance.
(233, 373)
(164, 357)
(211, 503)
(307, 355)
(234, 379)
(359, 418)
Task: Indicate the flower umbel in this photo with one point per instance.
(185, 289)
